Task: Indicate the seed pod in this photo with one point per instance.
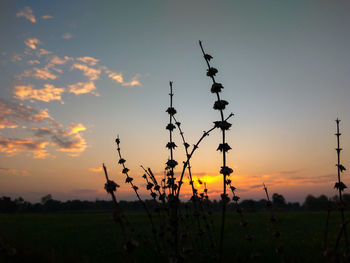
(216, 88)
(211, 72)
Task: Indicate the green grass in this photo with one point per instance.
(95, 237)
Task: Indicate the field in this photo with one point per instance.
(94, 237)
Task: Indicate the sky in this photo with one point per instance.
(74, 75)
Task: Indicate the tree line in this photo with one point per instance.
(48, 204)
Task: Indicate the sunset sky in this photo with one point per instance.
(74, 74)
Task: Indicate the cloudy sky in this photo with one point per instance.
(75, 74)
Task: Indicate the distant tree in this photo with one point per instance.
(278, 200)
(22, 205)
(346, 198)
(46, 198)
(7, 205)
(248, 205)
(52, 205)
(252, 205)
(19, 200)
(309, 202)
(316, 203)
(293, 206)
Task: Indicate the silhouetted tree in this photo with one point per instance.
(252, 205)
(46, 198)
(278, 201)
(316, 203)
(7, 205)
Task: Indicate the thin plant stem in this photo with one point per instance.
(194, 191)
(186, 146)
(135, 188)
(340, 186)
(118, 216)
(273, 224)
(195, 147)
(224, 195)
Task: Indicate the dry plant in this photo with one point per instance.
(186, 233)
(181, 234)
(335, 254)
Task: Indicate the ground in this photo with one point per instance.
(95, 237)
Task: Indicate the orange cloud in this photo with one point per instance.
(8, 126)
(27, 13)
(32, 43)
(96, 170)
(69, 141)
(43, 73)
(43, 114)
(58, 61)
(76, 128)
(12, 146)
(43, 52)
(134, 82)
(13, 172)
(88, 60)
(33, 62)
(82, 88)
(25, 74)
(118, 77)
(47, 17)
(13, 113)
(91, 73)
(67, 36)
(47, 94)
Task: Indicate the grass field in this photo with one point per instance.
(95, 237)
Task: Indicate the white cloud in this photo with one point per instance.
(13, 172)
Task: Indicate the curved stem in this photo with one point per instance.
(186, 145)
(195, 147)
(138, 196)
